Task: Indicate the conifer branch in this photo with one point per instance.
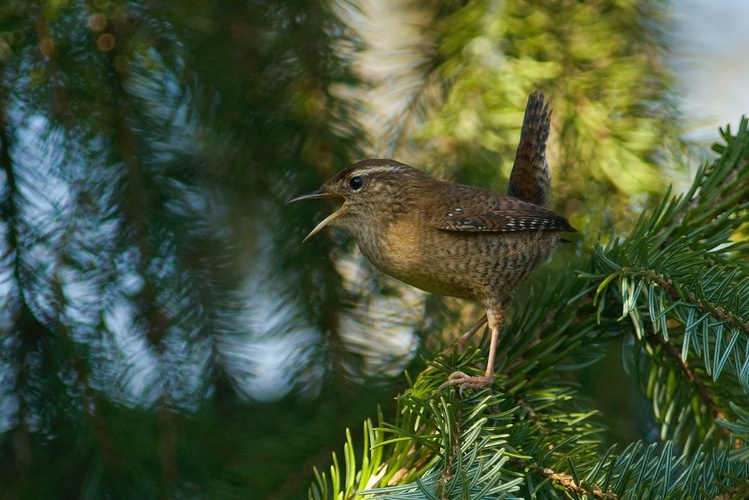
(731, 319)
(695, 380)
(678, 307)
(567, 482)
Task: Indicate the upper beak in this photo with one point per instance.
(319, 194)
(315, 195)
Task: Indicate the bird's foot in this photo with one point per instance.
(465, 381)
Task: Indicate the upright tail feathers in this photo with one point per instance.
(530, 179)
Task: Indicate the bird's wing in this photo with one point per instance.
(477, 210)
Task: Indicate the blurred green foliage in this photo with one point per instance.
(675, 292)
(614, 132)
(165, 333)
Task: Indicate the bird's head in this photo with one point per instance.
(366, 191)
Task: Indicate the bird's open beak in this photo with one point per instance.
(319, 194)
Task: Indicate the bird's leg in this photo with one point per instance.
(495, 319)
(463, 339)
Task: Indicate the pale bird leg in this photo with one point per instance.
(465, 381)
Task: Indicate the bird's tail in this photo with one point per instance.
(530, 179)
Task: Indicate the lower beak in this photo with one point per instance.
(314, 195)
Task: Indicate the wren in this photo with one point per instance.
(452, 239)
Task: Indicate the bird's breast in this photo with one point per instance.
(469, 265)
(415, 253)
(393, 247)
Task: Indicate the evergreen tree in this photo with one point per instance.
(165, 333)
(677, 286)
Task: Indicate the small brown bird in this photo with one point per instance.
(452, 239)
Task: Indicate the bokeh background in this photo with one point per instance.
(165, 333)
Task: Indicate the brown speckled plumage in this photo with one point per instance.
(452, 239)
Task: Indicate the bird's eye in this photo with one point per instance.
(356, 182)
